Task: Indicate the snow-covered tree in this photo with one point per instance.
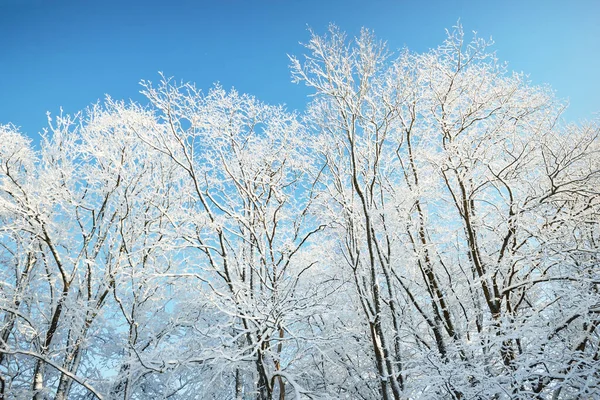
(464, 211)
(428, 228)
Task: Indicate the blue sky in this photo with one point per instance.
(71, 53)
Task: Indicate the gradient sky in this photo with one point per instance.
(71, 53)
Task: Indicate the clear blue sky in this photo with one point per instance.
(70, 53)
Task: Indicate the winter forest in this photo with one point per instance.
(428, 228)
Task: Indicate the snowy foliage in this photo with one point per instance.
(429, 228)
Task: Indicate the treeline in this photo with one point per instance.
(429, 228)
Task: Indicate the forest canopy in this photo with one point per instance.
(428, 228)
